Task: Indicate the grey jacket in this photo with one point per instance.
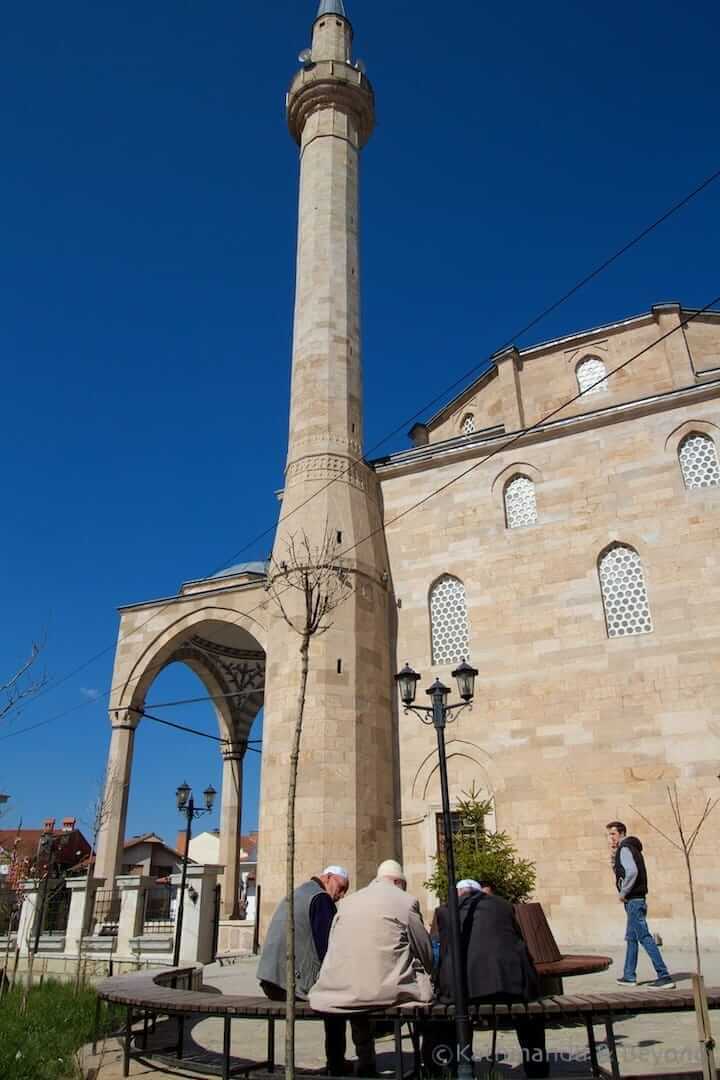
(307, 962)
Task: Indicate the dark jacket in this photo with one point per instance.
(640, 886)
(496, 957)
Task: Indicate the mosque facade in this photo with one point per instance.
(557, 524)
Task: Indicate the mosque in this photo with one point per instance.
(557, 523)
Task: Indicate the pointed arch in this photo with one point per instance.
(624, 591)
(591, 375)
(698, 458)
(519, 502)
(481, 762)
(449, 626)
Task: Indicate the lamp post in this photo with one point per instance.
(186, 806)
(438, 714)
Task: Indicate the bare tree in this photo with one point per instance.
(306, 587)
(10, 902)
(685, 844)
(23, 685)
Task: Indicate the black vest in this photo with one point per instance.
(640, 888)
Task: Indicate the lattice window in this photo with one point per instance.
(468, 424)
(449, 621)
(520, 505)
(625, 598)
(699, 461)
(591, 376)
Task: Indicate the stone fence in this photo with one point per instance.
(90, 930)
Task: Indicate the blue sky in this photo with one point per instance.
(147, 210)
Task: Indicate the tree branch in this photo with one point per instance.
(17, 689)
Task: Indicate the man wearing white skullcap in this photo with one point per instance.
(314, 903)
(379, 954)
(498, 969)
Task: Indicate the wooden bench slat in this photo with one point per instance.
(153, 992)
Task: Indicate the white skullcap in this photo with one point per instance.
(338, 871)
(391, 868)
(468, 883)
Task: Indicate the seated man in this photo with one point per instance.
(498, 969)
(379, 954)
(314, 912)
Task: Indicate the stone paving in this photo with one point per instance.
(648, 1046)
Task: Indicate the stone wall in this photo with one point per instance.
(570, 728)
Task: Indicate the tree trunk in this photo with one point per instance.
(290, 864)
(696, 935)
(705, 1039)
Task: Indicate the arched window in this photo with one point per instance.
(625, 598)
(468, 424)
(520, 505)
(449, 621)
(699, 461)
(591, 376)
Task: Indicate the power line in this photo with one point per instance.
(477, 367)
(519, 434)
(190, 731)
(543, 420)
(207, 697)
(179, 727)
(595, 272)
(499, 449)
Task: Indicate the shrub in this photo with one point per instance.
(483, 855)
(41, 1044)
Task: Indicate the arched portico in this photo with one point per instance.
(219, 633)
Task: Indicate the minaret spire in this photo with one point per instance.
(331, 7)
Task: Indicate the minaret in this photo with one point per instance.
(345, 805)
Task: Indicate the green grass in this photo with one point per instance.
(41, 1044)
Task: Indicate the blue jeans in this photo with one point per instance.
(637, 933)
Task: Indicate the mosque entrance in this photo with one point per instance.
(217, 630)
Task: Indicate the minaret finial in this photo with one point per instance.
(331, 7)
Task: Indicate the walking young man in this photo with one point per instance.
(632, 886)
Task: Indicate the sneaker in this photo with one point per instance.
(661, 984)
(626, 982)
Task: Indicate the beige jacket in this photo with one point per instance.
(379, 953)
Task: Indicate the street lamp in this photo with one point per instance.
(186, 806)
(438, 714)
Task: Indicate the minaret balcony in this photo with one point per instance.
(331, 84)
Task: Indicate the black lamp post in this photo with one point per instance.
(186, 806)
(438, 714)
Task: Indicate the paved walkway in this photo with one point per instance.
(648, 1046)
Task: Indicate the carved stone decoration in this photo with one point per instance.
(327, 467)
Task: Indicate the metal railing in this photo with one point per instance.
(55, 911)
(159, 910)
(105, 913)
